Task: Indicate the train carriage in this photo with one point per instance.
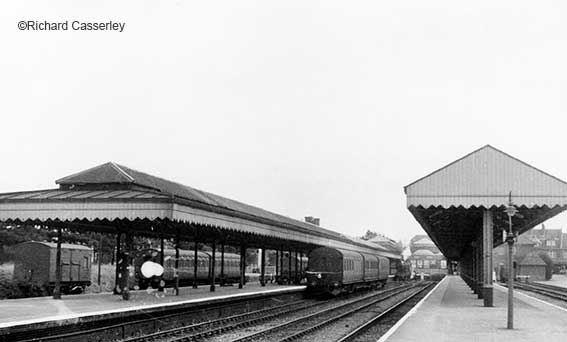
(186, 271)
(371, 269)
(335, 270)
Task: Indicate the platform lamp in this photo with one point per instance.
(511, 211)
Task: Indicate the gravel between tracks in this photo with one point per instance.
(249, 330)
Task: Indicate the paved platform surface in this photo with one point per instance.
(453, 313)
(42, 309)
(556, 280)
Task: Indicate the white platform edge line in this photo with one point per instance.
(132, 308)
(503, 289)
(410, 313)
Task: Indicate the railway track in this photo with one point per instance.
(234, 325)
(122, 326)
(551, 291)
(311, 327)
(379, 324)
(211, 328)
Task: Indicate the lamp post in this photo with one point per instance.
(511, 211)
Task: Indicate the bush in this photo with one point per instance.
(548, 265)
(12, 290)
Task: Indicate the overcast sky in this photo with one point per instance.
(322, 108)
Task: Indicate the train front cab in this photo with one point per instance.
(331, 270)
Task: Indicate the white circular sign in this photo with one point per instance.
(150, 269)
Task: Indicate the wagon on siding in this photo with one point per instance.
(35, 264)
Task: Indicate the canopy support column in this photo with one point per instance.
(162, 256)
(487, 231)
(176, 274)
(296, 275)
(57, 290)
(124, 263)
(117, 271)
(222, 281)
(195, 261)
(263, 267)
(242, 265)
(277, 263)
(213, 262)
(474, 273)
(479, 268)
(289, 273)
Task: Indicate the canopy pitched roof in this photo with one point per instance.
(108, 193)
(485, 178)
(449, 202)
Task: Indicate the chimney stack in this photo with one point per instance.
(312, 220)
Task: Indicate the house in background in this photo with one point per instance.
(528, 259)
(554, 243)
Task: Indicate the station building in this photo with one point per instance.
(426, 258)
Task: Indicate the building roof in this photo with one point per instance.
(525, 239)
(425, 241)
(423, 252)
(532, 258)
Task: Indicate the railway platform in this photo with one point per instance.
(18, 314)
(557, 280)
(452, 312)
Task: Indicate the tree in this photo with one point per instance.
(548, 264)
(369, 235)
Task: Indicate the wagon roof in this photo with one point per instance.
(54, 245)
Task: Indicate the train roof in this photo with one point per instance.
(171, 251)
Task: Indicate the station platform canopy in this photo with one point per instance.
(111, 198)
(449, 203)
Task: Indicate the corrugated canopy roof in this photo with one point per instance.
(110, 192)
(449, 202)
(484, 178)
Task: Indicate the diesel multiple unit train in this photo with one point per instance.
(328, 270)
(333, 270)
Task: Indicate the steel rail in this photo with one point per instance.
(556, 294)
(377, 298)
(208, 328)
(364, 327)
